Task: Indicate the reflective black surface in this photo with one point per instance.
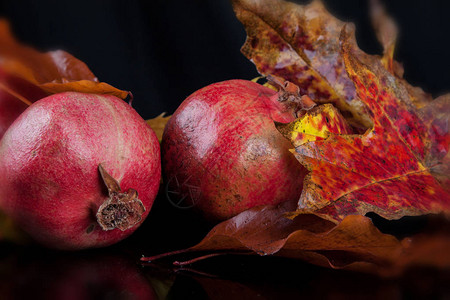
(163, 50)
(32, 272)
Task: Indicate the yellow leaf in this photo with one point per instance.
(158, 124)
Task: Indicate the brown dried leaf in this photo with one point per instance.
(53, 72)
(300, 44)
(355, 243)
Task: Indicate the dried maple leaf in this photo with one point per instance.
(52, 72)
(300, 44)
(353, 244)
(389, 169)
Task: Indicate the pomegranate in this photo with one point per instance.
(222, 153)
(79, 170)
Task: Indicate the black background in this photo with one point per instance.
(163, 50)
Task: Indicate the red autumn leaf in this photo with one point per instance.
(389, 169)
(52, 72)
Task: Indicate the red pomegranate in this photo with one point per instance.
(79, 170)
(222, 152)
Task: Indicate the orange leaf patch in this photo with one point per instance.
(52, 72)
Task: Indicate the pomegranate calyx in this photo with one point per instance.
(289, 95)
(121, 210)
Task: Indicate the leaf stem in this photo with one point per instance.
(203, 257)
(159, 256)
(18, 96)
(194, 260)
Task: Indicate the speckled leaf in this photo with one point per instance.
(52, 72)
(300, 44)
(437, 116)
(316, 124)
(387, 170)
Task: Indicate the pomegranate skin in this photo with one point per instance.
(222, 152)
(49, 167)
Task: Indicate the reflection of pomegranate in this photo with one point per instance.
(11, 89)
(222, 151)
(76, 277)
(49, 170)
(112, 278)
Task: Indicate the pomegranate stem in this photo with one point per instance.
(121, 210)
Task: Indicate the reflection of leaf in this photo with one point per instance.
(158, 124)
(220, 289)
(161, 287)
(53, 72)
